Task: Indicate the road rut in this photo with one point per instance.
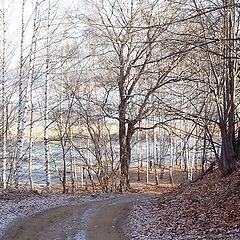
(99, 219)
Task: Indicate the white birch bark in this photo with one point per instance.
(195, 157)
(81, 174)
(30, 146)
(171, 159)
(190, 160)
(155, 157)
(4, 116)
(32, 56)
(139, 155)
(73, 168)
(81, 162)
(46, 104)
(21, 113)
(147, 158)
(72, 159)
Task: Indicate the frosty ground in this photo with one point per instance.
(94, 216)
(207, 209)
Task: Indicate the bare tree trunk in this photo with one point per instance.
(85, 175)
(4, 113)
(73, 166)
(30, 145)
(21, 110)
(190, 160)
(32, 56)
(204, 151)
(171, 159)
(147, 158)
(139, 156)
(160, 154)
(225, 83)
(64, 175)
(154, 155)
(227, 162)
(125, 154)
(46, 103)
(82, 174)
(155, 172)
(124, 181)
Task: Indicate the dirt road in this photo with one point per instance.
(99, 219)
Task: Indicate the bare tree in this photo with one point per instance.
(46, 97)
(134, 38)
(222, 74)
(32, 78)
(21, 107)
(3, 102)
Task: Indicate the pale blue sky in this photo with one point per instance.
(13, 16)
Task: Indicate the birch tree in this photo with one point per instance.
(21, 108)
(32, 78)
(3, 94)
(134, 34)
(46, 97)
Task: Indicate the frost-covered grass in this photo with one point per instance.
(208, 209)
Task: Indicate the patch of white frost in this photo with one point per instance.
(14, 208)
(80, 236)
(147, 222)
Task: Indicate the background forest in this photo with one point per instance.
(93, 89)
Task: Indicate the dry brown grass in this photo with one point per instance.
(164, 185)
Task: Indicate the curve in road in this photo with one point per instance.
(100, 219)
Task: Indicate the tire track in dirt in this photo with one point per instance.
(100, 219)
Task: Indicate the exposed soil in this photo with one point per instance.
(97, 216)
(102, 219)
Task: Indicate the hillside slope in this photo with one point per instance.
(206, 209)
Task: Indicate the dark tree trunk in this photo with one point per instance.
(64, 179)
(204, 150)
(122, 144)
(227, 161)
(125, 137)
